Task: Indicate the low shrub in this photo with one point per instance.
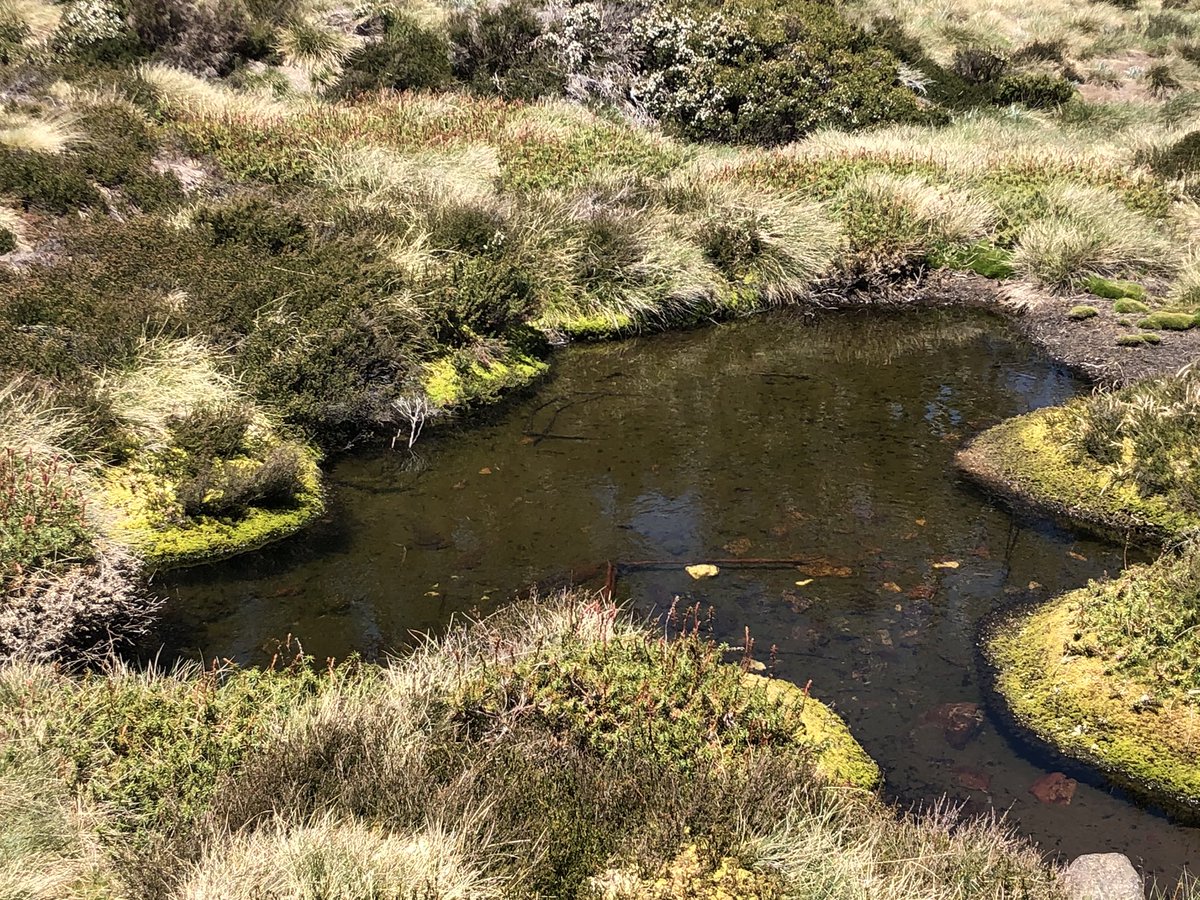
(228, 488)
(48, 182)
(212, 431)
(674, 702)
(1079, 313)
(1151, 615)
(769, 78)
(42, 522)
(406, 57)
(8, 241)
(978, 65)
(1038, 90)
(256, 223)
(500, 50)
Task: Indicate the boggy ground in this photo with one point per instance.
(227, 257)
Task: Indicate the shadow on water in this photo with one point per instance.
(827, 439)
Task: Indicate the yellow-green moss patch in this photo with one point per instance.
(1074, 702)
(144, 517)
(1028, 460)
(452, 381)
(840, 758)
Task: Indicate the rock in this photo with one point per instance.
(973, 779)
(960, 722)
(705, 570)
(1103, 876)
(1055, 788)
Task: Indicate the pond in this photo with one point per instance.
(823, 445)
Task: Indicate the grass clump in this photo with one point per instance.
(1082, 312)
(1089, 231)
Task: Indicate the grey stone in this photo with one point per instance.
(1103, 876)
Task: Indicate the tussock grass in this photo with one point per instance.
(314, 47)
(341, 860)
(51, 134)
(169, 377)
(777, 243)
(178, 93)
(31, 422)
(49, 848)
(903, 219)
(1089, 231)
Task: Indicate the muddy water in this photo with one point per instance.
(828, 442)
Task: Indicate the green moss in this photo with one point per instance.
(1079, 313)
(596, 327)
(674, 701)
(147, 519)
(1138, 340)
(1114, 290)
(1070, 701)
(1029, 460)
(457, 380)
(1130, 306)
(839, 757)
(1167, 320)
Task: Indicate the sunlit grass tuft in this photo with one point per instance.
(1089, 231)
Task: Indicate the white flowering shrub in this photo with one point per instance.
(85, 23)
(765, 76)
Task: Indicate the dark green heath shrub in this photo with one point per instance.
(1038, 90)
(210, 432)
(54, 183)
(255, 223)
(230, 489)
(8, 241)
(978, 65)
(767, 77)
(406, 57)
(497, 51)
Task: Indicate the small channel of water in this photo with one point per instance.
(829, 439)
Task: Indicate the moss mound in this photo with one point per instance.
(1106, 675)
(1031, 460)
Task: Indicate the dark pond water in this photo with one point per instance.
(826, 440)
